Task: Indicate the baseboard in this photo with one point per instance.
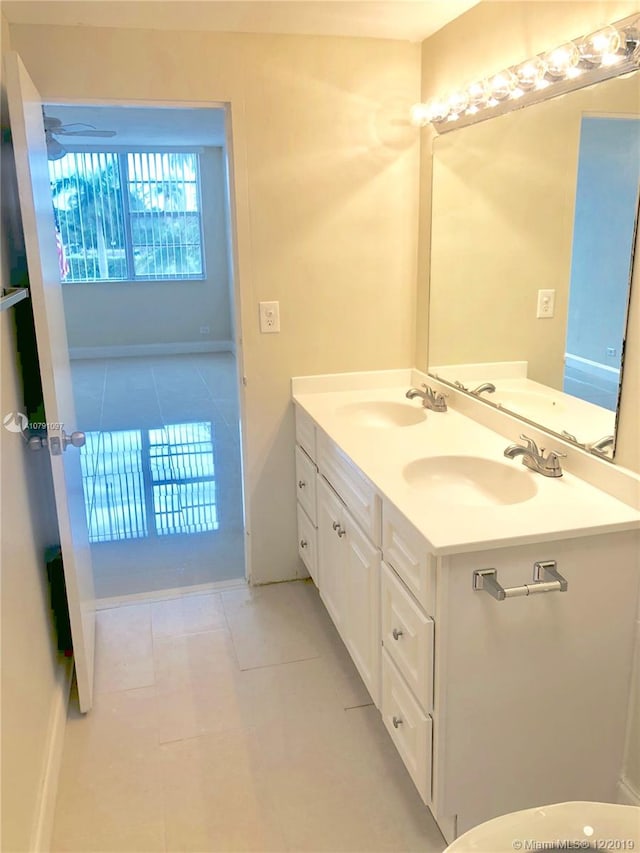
(172, 592)
(128, 350)
(627, 794)
(43, 824)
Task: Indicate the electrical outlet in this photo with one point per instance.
(546, 304)
(612, 352)
(204, 330)
(269, 317)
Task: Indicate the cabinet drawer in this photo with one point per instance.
(405, 550)
(306, 484)
(353, 487)
(306, 433)
(407, 635)
(409, 727)
(308, 543)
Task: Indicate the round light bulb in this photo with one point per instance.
(478, 93)
(419, 115)
(562, 61)
(502, 85)
(530, 75)
(600, 48)
(438, 110)
(458, 103)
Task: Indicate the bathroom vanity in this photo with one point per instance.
(489, 610)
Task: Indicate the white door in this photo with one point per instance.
(25, 113)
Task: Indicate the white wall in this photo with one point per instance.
(117, 314)
(32, 673)
(325, 169)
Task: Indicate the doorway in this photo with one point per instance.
(142, 209)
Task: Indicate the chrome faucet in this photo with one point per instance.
(548, 466)
(602, 444)
(489, 387)
(434, 400)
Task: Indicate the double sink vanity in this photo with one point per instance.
(489, 606)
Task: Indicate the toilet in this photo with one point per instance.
(586, 826)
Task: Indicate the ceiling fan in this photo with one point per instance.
(54, 127)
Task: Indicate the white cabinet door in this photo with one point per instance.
(409, 727)
(407, 635)
(362, 627)
(331, 550)
(306, 483)
(308, 543)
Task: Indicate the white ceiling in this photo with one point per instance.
(412, 20)
(141, 125)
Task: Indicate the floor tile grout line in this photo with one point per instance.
(279, 663)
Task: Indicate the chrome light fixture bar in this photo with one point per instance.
(608, 52)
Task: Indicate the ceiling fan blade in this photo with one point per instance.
(55, 151)
(84, 132)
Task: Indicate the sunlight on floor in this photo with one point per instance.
(161, 471)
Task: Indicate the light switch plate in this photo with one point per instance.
(546, 304)
(269, 317)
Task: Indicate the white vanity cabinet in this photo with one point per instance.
(347, 570)
(527, 696)
(495, 702)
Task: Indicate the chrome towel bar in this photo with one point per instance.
(546, 578)
(12, 295)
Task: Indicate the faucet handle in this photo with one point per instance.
(532, 447)
(552, 455)
(433, 394)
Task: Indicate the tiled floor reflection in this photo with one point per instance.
(232, 721)
(161, 471)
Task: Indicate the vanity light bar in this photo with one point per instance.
(607, 52)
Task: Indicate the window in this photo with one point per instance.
(128, 216)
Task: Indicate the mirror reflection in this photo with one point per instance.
(533, 226)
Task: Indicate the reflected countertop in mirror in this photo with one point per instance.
(541, 199)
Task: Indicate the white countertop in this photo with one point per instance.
(562, 508)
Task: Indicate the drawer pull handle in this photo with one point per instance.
(301, 484)
(546, 578)
(336, 525)
(303, 543)
(339, 530)
(397, 634)
(396, 722)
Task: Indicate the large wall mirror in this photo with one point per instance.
(533, 227)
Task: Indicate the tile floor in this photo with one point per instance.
(232, 721)
(162, 470)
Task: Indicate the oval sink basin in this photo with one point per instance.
(383, 414)
(471, 480)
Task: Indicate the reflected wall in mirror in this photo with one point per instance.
(541, 199)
